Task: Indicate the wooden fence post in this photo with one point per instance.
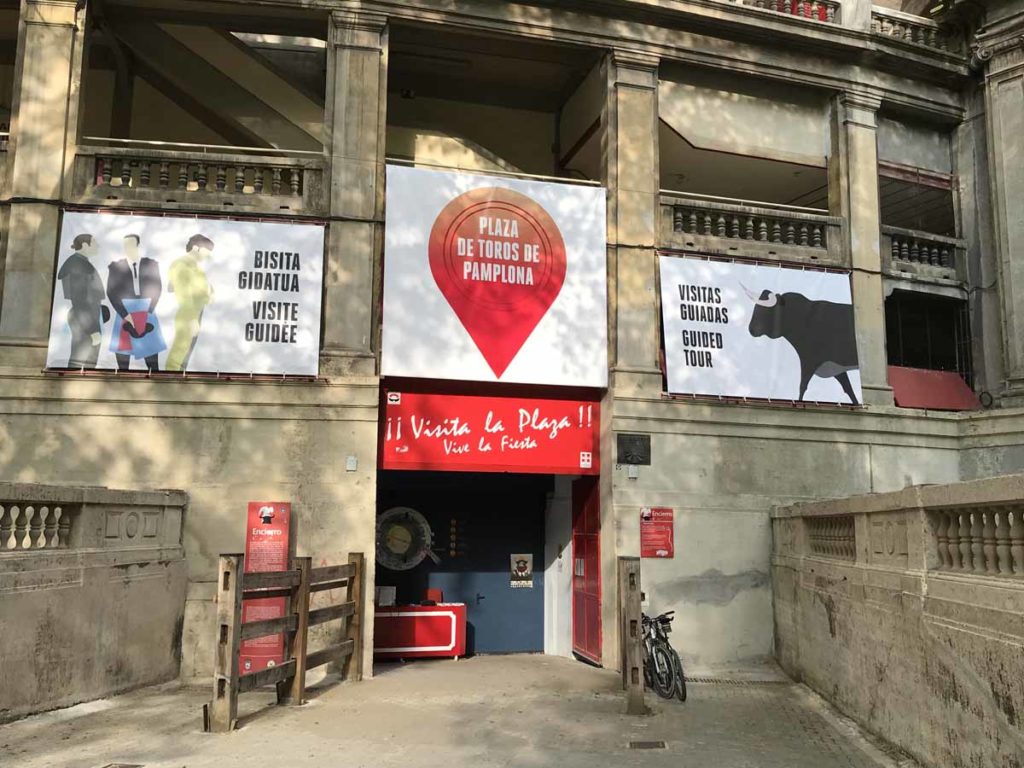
(224, 708)
(353, 668)
(293, 690)
(631, 634)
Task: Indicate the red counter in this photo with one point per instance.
(420, 631)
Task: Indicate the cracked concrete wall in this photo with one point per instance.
(103, 615)
(722, 468)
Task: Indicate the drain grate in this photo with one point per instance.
(647, 745)
(720, 681)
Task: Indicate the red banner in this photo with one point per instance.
(457, 433)
(267, 534)
(657, 535)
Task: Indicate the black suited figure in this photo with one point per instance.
(82, 286)
(134, 288)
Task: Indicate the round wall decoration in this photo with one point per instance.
(404, 539)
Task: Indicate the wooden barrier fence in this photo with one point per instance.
(234, 585)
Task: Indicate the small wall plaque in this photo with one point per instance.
(633, 449)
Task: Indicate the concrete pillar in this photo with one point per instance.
(44, 117)
(1001, 52)
(357, 65)
(630, 161)
(976, 228)
(630, 150)
(853, 194)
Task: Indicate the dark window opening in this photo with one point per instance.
(930, 332)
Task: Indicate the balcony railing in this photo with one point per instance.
(750, 229)
(922, 254)
(123, 172)
(816, 10)
(914, 31)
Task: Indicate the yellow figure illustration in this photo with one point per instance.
(192, 288)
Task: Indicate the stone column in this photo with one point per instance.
(1001, 54)
(357, 64)
(973, 180)
(630, 153)
(44, 117)
(853, 194)
(630, 149)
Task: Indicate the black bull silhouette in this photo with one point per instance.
(821, 332)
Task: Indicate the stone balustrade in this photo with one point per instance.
(815, 10)
(223, 178)
(35, 525)
(832, 537)
(922, 253)
(743, 228)
(914, 30)
(985, 539)
(51, 518)
(982, 541)
(922, 624)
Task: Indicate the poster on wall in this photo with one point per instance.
(267, 547)
(657, 532)
(177, 294)
(457, 433)
(758, 331)
(494, 279)
(522, 571)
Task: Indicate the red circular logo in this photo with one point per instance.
(499, 259)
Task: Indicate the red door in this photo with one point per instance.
(586, 569)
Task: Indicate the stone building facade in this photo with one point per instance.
(893, 133)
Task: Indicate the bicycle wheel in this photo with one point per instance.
(663, 674)
(680, 677)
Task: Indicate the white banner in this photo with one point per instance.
(746, 330)
(494, 279)
(186, 294)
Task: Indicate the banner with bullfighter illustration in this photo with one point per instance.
(758, 331)
(186, 294)
(494, 279)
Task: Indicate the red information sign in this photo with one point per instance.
(460, 433)
(657, 537)
(267, 534)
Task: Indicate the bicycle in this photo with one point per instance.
(663, 670)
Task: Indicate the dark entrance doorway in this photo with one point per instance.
(586, 569)
(477, 522)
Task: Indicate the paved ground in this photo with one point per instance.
(484, 712)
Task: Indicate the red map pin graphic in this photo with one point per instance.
(499, 260)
